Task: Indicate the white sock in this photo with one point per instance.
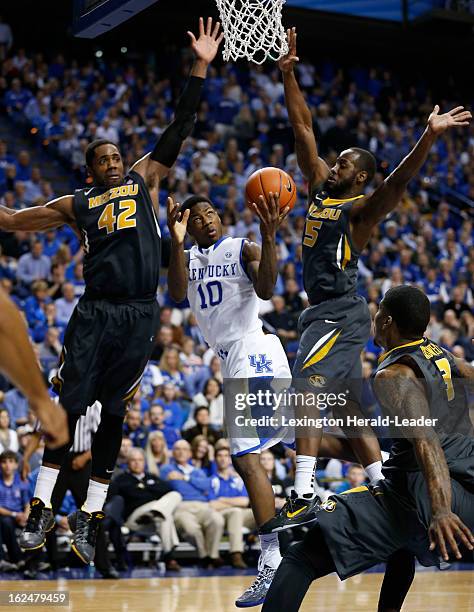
(304, 477)
(374, 471)
(45, 484)
(96, 494)
(270, 556)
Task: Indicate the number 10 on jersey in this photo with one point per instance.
(210, 294)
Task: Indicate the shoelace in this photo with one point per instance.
(262, 575)
(87, 529)
(34, 519)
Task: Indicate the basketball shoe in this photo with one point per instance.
(296, 511)
(84, 526)
(39, 522)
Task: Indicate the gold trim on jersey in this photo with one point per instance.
(337, 201)
(343, 252)
(322, 348)
(385, 355)
(355, 490)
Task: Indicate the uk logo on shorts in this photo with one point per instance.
(261, 364)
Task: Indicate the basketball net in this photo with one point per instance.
(252, 29)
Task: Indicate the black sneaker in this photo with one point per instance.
(85, 533)
(40, 521)
(297, 511)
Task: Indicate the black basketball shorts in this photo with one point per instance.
(106, 349)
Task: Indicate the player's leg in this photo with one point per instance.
(130, 332)
(397, 581)
(75, 383)
(246, 459)
(304, 562)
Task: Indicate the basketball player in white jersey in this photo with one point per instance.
(223, 278)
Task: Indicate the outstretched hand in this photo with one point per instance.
(288, 61)
(457, 117)
(177, 222)
(206, 46)
(269, 214)
(446, 531)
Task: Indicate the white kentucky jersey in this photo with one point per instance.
(220, 293)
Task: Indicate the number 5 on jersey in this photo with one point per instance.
(107, 219)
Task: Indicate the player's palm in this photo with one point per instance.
(206, 46)
(457, 117)
(177, 222)
(287, 62)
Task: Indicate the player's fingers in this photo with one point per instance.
(284, 213)
(169, 204)
(201, 26)
(209, 26)
(263, 206)
(467, 535)
(256, 210)
(215, 31)
(451, 540)
(221, 37)
(186, 216)
(455, 110)
(435, 110)
(192, 37)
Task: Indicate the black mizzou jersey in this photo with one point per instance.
(448, 404)
(121, 240)
(329, 258)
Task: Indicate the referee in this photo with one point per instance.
(73, 476)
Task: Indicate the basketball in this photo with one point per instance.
(274, 180)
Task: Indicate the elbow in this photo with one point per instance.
(265, 293)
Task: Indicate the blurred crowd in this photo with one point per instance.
(173, 432)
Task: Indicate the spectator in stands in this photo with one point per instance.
(8, 436)
(354, 478)
(122, 459)
(175, 415)
(280, 321)
(202, 455)
(17, 405)
(195, 518)
(231, 500)
(66, 304)
(203, 427)
(156, 452)
(50, 349)
(33, 266)
(134, 429)
(148, 500)
(13, 509)
(6, 38)
(213, 398)
(157, 423)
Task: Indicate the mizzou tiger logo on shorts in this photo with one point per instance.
(329, 505)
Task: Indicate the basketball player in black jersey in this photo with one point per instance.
(425, 504)
(110, 336)
(339, 223)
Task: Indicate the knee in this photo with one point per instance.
(217, 519)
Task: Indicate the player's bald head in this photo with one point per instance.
(363, 160)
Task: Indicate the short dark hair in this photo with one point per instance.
(198, 410)
(366, 161)
(92, 146)
(192, 201)
(8, 454)
(409, 308)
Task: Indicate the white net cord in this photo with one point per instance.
(252, 29)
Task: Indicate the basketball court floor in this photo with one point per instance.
(199, 591)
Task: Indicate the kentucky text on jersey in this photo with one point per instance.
(115, 192)
(213, 271)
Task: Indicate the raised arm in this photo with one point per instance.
(314, 169)
(262, 264)
(156, 165)
(177, 268)
(400, 392)
(39, 218)
(374, 208)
